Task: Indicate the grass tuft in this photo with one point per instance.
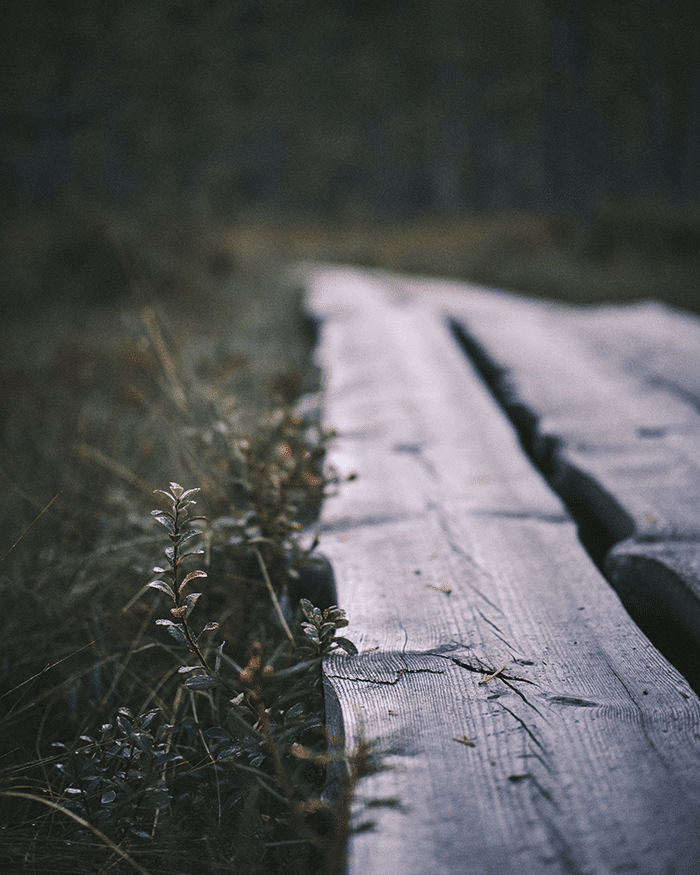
(169, 720)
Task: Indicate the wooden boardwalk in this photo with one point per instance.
(524, 721)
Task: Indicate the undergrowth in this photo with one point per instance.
(149, 726)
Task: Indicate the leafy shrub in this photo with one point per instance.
(177, 753)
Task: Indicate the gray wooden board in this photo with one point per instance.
(586, 749)
(613, 396)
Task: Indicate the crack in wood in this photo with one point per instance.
(497, 631)
(531, 779)
(398, 677)
(458, 550)
(525, 727)
(573, 700)
(416, 450)
(642, 716)
(554, 518)
(486, 670)
(523, 697)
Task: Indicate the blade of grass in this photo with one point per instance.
(36, 519)
(100, 458)
(273, 596)
(151, 323)
(84, 823)
(49, 667)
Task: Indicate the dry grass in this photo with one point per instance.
(104, 398)
(126, 343)
(632, 251)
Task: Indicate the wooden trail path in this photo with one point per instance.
(524, 722)
(607, 402)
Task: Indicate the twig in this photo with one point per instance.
(490, 677)
(446, 589)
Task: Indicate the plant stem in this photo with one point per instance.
(194, 647)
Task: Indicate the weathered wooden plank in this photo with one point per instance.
(586, 747)
(656, 340)
(608, 403)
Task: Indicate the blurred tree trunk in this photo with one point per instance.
(571, 128)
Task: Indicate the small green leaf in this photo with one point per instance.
(295, 712)
(217, 733)
(191, 576)
(174, 629)
(219, 649)
(201, 682)
(311, 633)
(336, 616)
(191, 601)
(347, 645)
(187, 536)
(158, 512)
(146, 719)
(163, 587)
(165, 520)
(189, 492)
(177, 633)
(229, 753)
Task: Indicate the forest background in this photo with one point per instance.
(548, 145)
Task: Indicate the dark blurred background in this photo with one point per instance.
(546, 145)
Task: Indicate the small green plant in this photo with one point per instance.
(177, 753)
(320, 628)
(119, 781)
(275, 479)
(175, 517)
(266, 728)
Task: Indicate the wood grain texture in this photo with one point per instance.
(454, 559)
(608, 401)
